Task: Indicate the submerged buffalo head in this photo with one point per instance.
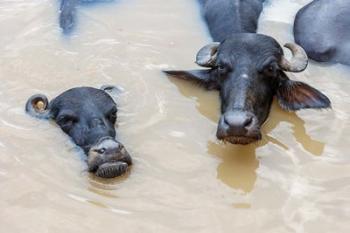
(248, 70)
(88, 116)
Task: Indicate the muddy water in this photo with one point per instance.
(297, 179)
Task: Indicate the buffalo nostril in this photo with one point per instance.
(248, 121)
(228, 120)
(238, 122)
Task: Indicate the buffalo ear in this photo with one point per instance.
(293, 96)
(202, 77)
(38, 106)
(112, 91)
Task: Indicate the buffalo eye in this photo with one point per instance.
(222, 69)
(112, 116)
(270, 69)
(66, 122)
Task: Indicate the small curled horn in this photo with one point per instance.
(299, 61)
(38, 106)
(206, 56)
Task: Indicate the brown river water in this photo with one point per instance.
(297, 179)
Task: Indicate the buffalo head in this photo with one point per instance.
(88, 116)
(249, 70)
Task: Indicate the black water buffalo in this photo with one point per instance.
(323, 29)
(248, 69)
(68, 10)
(88, 116)
(68, 14)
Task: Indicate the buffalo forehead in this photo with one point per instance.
(83, 99)
(250, 43)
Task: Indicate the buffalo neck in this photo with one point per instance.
(227, 17)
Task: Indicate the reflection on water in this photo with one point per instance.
(239, 163)
(278, 116)
(101, 186)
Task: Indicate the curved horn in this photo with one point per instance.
(37, 106)
(299, 60)
(206, 56)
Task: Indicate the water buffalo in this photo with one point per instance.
(67, 15)
(88, 116)
(248, 69)
(68, 10)
(322, 28)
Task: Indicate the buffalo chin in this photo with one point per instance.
(240, 140)
(111, 169)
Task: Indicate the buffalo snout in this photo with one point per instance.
(108, 158)
(238, 127)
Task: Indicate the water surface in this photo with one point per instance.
(297, 179)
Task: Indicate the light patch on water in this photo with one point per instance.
(2, 173)
(282, 11)
(77, 198)
(104, 42)
(117, 211)
(177, 134)
(157, 67)
(13, 126)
